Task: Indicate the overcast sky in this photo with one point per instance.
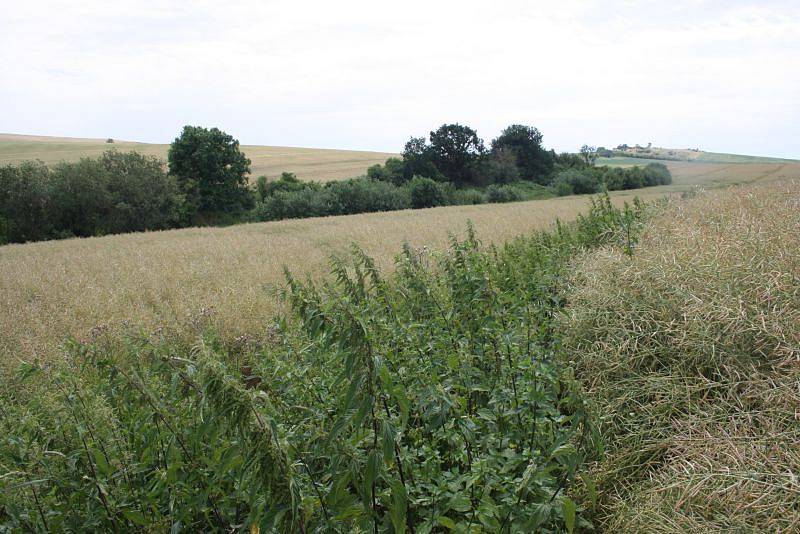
(719, 75)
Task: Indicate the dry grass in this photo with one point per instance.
(691, 351)
(51, 290)
(308, 163)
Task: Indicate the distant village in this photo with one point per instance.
(648, 151)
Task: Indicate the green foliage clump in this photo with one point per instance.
(211, 170)
(466, 196)
(291, 198)
(524, 144)
(502, 193)
(394, 171)
(426, 400)
(116, 192)
(425, 193)
(575, 182)
(287, 181)
(25, 203)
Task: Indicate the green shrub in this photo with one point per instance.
(502, 193)
(142, 195)
(357, 195)
(465, 196)
(361, 195)
(392, 171)
(25, 207)
(286, 182)
(578, 181)
(656, 174)
(500, 167)
(425, 193)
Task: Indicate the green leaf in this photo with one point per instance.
(591, 488)
(398, 506)
(568, 508)
(102, 464)
(446, 522)
(372, 469)
(135, 516)
(387, 440)
(460, 503)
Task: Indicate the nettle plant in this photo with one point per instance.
(449, 412)
(425, 401)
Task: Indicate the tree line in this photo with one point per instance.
(205, 181)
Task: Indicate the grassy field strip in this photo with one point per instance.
(690, 351)
(50, 290)
(308, 163)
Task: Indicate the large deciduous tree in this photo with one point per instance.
(525, 142)
(455, 150)
(211, 170)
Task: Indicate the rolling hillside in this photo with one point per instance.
(308, 163)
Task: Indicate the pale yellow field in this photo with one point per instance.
(308, 163)
(51, 290)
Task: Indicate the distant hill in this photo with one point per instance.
(632, 155)
(308, 163)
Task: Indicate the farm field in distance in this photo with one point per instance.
(51, 290)
(307, 163)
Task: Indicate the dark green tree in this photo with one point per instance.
(455, 151)
(525, 142)
(211, 170)
(25, 207)
(142, 195)
(418, 160)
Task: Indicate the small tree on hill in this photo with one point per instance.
(211, 170)
(589, 154)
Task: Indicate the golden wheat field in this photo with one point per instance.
(51, 290)
(307, 163)
(172, 279)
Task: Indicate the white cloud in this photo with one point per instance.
(358, 74)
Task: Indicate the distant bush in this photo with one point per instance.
(425, 193)
(306, 199)
(656, 174)
(460, 197)
(25, 203)
(500, 168)
(360, 195)
(502, 193)
(589, 179)
(286, 182)
(392, 171)
(142, 195)
(576, 181)
(116, 192)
